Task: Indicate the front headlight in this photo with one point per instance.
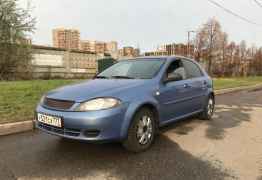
(98, 104)
(42, 100)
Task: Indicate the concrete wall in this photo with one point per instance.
(49, 62)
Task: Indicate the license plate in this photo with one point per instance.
(49, 120)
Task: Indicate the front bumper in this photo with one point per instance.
(104, 125)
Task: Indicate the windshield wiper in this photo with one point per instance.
(122, 77)
(101, 77)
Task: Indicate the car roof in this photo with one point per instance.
(167, 58)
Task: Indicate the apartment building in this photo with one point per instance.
(156, 53)
(173, 49)
(70, 39)
(99, 47)
(136, 52)
(129, 51)
(86, 45)
(66, 38)
(111, 47)
(179, 49)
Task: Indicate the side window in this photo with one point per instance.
(176, 67)
(192, 70)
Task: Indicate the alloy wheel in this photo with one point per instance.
(144, 130)
(210, 107)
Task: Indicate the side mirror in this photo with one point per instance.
(173, 77)
(94, 77)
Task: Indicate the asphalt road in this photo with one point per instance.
(229, 147)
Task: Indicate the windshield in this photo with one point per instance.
(133, 69)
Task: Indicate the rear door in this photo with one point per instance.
(197, 84)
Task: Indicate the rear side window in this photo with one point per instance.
(192, 70)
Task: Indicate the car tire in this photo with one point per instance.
(209, 109)
(141, 133)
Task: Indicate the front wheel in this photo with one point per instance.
(141, 133)
(209, 109)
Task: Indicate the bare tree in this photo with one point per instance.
(225, 59)
(243, 58)
(224, 44)
(208, 41)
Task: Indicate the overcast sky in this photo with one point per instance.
(147, 23)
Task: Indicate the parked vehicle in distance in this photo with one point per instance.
(128, 102)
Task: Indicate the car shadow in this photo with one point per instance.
(53, 158)
(231, 111)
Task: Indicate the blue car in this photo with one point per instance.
(128, 102)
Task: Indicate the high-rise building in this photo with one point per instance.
(66, 38)
(111, 47)
(136, 52)
(129, 52)
(86, 45)
(172, 49)
(179, 49)
(156, 53)
(99, 46)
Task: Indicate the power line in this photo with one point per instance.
(233, 13)
(258, 3)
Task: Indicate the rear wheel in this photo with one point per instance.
(209, 109)
(142, 130)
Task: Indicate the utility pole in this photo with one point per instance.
(188, 42)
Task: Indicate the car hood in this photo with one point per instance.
(93, 89)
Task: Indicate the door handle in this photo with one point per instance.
(186, 85)
(204, 85)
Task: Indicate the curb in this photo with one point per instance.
(233, 90)
(19, 127)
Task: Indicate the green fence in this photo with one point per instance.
(105, 63)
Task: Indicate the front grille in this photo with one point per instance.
(58, 104)
(68, 132)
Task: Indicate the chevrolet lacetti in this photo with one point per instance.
(128, 102)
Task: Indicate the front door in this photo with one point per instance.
(174, 96)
